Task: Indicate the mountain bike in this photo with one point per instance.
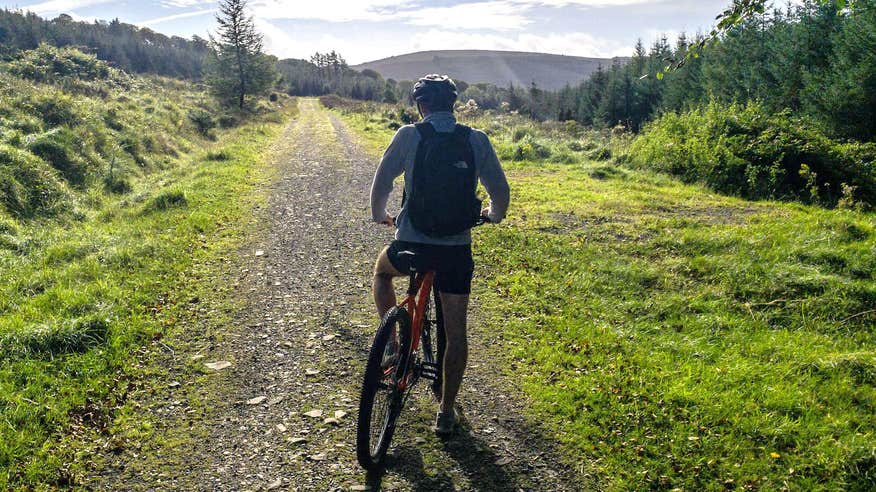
(409, 345)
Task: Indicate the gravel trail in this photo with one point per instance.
(282, 416)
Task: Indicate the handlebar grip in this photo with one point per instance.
(483, 219)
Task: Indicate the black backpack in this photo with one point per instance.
(443, 199)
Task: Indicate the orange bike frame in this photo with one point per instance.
(416, 305)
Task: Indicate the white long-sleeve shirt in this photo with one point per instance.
(399, 159)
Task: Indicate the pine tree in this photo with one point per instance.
(238, 66)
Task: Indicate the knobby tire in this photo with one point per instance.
(382, 381)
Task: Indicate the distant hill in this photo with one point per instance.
(501, 68)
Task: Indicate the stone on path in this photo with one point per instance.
(218, 365)
(256, 400)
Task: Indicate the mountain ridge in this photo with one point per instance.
(501, 68)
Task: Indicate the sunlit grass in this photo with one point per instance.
(80, 296)
(671, 337)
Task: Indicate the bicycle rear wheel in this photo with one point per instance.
(381, 399)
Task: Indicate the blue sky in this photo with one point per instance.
(371, 29)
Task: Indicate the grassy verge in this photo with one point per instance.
(673, 338)
(82, 295)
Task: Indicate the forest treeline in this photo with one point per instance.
(807, 69)
(812, 59)
(130, 48)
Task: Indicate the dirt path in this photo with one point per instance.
(298, 344)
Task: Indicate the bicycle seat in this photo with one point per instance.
(410, 260)
(406, 255)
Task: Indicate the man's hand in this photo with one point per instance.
(486, 213)
(388, 221)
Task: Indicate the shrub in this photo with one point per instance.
(203, 121)
(70, 69)
(221, 155)
(58, 147)
(116, 184)
(528, 149)
(8, 226)
(520, 134)
(48, 64)
(168, 199)
(28, 187)
(333, 101)
(605, 172)
(23, 123)
(599, 154)
(407, 115)
(228, 120)
(563, 158)
(750, 152)
(56, 109)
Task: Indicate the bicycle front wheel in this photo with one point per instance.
(381, 399)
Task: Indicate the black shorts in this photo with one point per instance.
(453, 265)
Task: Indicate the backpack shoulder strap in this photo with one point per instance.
(462, 134)
(426, 130)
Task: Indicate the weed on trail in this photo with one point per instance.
(674, 338)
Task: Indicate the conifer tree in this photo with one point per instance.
(238, 67)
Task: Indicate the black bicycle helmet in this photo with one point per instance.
(436, 91)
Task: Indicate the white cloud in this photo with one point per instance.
(587, 3)
(329, 10)
(185, 3)
(52, 7)
(277, 41)
(168, 18)
(495, 15)
(573, 44)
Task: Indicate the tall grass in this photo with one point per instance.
(109, 202)
(673, 338)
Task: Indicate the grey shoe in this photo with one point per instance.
(446, 423)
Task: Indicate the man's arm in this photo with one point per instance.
(392, 165)
(492, 177)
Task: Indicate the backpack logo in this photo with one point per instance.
(460, 165)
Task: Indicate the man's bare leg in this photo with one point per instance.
(381, 284)
(455, 310)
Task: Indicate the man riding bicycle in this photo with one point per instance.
(442, 163)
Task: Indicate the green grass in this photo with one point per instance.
(77, 304)
(90, 280)
(673, 338)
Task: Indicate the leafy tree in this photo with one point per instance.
(238, 67)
